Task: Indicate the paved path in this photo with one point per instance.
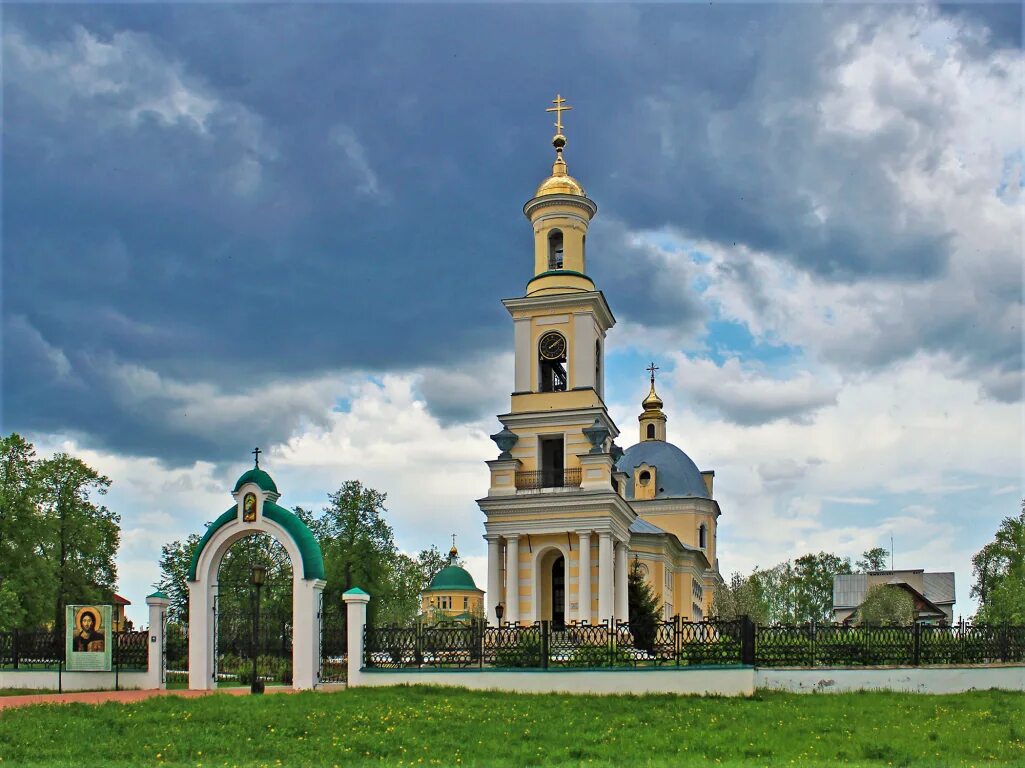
(124, 697)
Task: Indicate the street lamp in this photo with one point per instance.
(257, 577)
(499, 613)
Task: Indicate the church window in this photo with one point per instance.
(669, 580)
(644, 478)
(466, 603)
(702, 536)
(551, 351)
(669, 610)
(552, 462)
(651, 431)
(555, 249)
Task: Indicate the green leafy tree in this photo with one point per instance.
(886, 605)
(175, 559)
(80, 538)
(800, 591)
(645, 612)
(872, 560)
(24, 578)
(999, 570)
(741, 596)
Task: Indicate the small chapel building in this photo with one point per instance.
(452, 595)
(568, 512)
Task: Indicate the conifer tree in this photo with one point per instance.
(644, 609)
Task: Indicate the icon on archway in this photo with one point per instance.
(249, 508)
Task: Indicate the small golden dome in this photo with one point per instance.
(560, 182)
(652, 402)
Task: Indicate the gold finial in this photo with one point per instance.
(453, 553)
(652, 402)
(559, 140)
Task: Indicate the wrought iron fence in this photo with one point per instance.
(176, 653)
(839, 645)
(547, 478)
(44, 649)
(682, 643)
(541, 645)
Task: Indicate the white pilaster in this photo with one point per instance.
(306, 633)
(512, 579)
(604, 576)
(584, 579)
(158, 604)
(355, 618)
(493, 596)
(622, 593)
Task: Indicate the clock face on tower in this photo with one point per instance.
(552, 346)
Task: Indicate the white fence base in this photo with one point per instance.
(47, 680)
(1008, 677)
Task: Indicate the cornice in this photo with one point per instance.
(596, 299)
(547, 201)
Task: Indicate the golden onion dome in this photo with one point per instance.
(560, 182)
(652, 402)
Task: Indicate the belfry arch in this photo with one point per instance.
(256, 511)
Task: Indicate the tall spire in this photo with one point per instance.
(653, 421)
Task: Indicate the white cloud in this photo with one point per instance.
(357, 162)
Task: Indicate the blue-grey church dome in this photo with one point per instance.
(676, 475)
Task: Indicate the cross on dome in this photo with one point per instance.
(558, 109)
(256, 454)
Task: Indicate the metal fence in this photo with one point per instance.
(679, 643)
(541, 645)
(44, 649)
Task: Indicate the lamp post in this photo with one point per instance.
(257, 577)
(499, 613)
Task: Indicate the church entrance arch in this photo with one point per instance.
(551, 580)
(256, 511)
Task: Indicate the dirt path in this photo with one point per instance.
(125, 697)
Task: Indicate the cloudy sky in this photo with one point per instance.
(230, 225)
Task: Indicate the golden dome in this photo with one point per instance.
(652, 402)
(560, 182)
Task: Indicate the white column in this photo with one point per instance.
(306, 633)
(512, 579)
(604, 576)
(494, 578)
(355, 618)
(584, 579)
(622, 594)
(157, 603)
(523, 355)
(201, 636)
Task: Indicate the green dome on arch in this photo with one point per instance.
(258, 476)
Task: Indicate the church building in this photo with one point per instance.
(568, 512)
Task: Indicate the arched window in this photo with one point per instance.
(555, 249)
(551, 354)
(651, 431)
(597, 367)
(702, 536)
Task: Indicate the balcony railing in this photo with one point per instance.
(547, 478)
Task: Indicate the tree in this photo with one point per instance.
(800, 591)
(886, 605)
(23, 576)
(741, 596)
(643, 608)
(175, 559)
(872, 560)
(80, 538)
(999, 569)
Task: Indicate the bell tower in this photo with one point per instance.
(554, 488)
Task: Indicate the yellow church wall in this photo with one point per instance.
(573, 228)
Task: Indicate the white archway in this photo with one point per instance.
(256, 511)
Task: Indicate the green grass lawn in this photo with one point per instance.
(437, 726)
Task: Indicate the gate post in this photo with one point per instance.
(158, 603)
(355, 618)
(747, 640)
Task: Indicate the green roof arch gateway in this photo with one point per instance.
(309, 547)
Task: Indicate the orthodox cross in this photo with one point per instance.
(558, 109)
(256, 452)
(453, 541)
(651, 369)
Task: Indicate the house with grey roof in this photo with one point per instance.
(932, 593)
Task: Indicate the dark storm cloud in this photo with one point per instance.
(217, 199)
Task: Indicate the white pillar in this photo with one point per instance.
(622, 594)
(355, 618)
(201, 636)
(584, 578)
(604, 576)
(512, 579)
(494, 578)
(306, 633)
(157, 603)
